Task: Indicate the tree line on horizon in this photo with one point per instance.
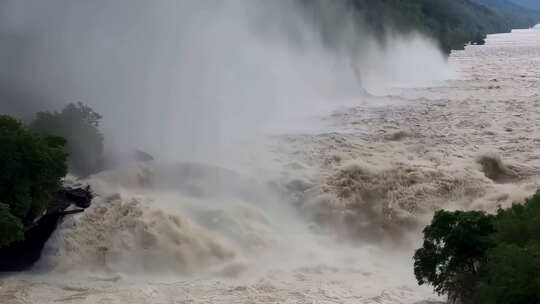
(452, 23)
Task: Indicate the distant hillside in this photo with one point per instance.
(532, 4)
(453, 23)
(518, 16)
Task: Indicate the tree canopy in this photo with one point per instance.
(481, 258)
(512, 269)
(454, 248)
(78, 124)
(32, 169)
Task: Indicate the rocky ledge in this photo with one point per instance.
(24, 254)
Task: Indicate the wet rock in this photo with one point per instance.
(24, 254)
(298, 185)
(79, 196)
(415, 177)
(115, 160)
(495, 169)
(142, 156)
(399, 135)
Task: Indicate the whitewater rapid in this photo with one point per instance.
(331, 217)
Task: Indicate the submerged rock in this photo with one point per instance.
(142, 156)
(494, 169)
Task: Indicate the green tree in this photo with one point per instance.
(454, 248)
(452, 23)
(31, 169)
(487, 259)
(11, 227)
(79, 124)
(511, 275)
(512, 269)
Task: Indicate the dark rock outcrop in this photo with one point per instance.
(24, 254)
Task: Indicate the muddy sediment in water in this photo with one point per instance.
(348, 210)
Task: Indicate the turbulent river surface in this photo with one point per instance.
(327, 217)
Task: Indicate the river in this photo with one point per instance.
(325, 217)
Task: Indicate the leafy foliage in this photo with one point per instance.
(454, 248)
(488, 259)
(78, 123)
(512, 270)
(11, 227)
(511, 275)
(31, 170)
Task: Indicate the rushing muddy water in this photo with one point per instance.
(331, 217)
